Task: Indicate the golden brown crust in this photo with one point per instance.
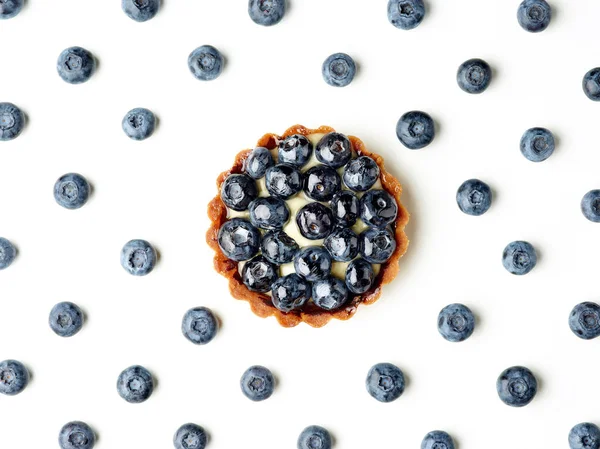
(260, 303)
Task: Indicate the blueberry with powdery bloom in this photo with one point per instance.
(266, 12)
(139, 123)
(239, 239)
(8, 252)
(14, 377)
(190, 436)
(76, 435)
(415, 130)
(315, 221)
(339, 70)
(290, 292)
(438, 439)
(258, 161)
(66, 319)
(71, 191)
(295, 150)
(199, 325)
(584, 320)
(534, 15)
(345, 207)
(385, 382)
(474, 197)
(140, 10)
(206, 63)
(474, 76)
(361, 174)
(334, 150)
(135, 384)
(456, 322)
(12, 121)
(257, 383)
(537, 144)
(590, 206)
(405, 14)
(10, 8)
(138, 257)
(519, 258)
(76, 65)
(584, 436)
(516, 386)
(591, 84)
(314, 437)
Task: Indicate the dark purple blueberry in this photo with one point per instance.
(342, 244)
(359, 276)
(239, 239)
(259, 274)
(321, 183)
(283, 181)
(345, 207)
(334, 149)
(278, 247)
(376, 245)
(361, 174)
(258, 161)
(295, 150)
(290, 292)
(315, 221)
(330, 293)
(312, 263)
(238, 191)
(269, 213)
(378, 208)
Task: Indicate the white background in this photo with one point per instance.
(158, 190)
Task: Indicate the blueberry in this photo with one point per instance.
(456, 322)
(76, 65)
(257, 383)
(378, 208)
(385, 382)
(584, 435)
(283, 180)
(359, 276)
(266, 12)
(139, 123)
(339, 70)
(376, 245)
(76, 435)
(10, 8)
(135, 384)
(269, 213)
(190, 436)
(239, 239)
(140, 10)
(66, 319)
(406, 14)
(584, 320)
(258, 161)
(321, 183)
(206, 63)
(238, 191)
(334, 150)
(361, 174)
(519, 257)
(71, 191)
(14, 377)
(138, 257)
(437, 439)
(295, 150)
(537, 144)
(12, 120)
(474, 197)
(199, 325)
(259, 274)
(314, 437)
(342, 244)
(315, 221)
(590, 206)
(8, 252)
(290, 292)
(474, 76)
(312, 263)
(534, 15)
(516, 386)
(345, 206)
(278, 247)
(591, 84)
(330, 293)
(415, 130)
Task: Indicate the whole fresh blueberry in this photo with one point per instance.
(239, 239)
(315, 221)
(76, 435)
(591, 84)
(135, 384)
(139, 123)
(12, 120)
(8, 252)
(312, 263)
(66, 319)
(415, 130)
(342, 244)
(334, 150)
(140, 10)
(378, 208)
(584, 435)
(190, 436)
(376, 245)
(474, 76)
(321, 183)
(339, 70)
(346, 207)
(474, 197)
(76, 65)
(584, 320)
(590, 206)
(278, 247)
(329, 293)
(257, 383)
(14, 377)
(456, 322)
(258, 161)
(199, 325)
(259, 274)
(290, 292)
(437, 439)
(138, 257)
(359, 276)
(534, 15)
(385, 382)
(295, 150)
(519, 257)
(537, 144)
(266, 12)
(206, 63)
(314, 437)
(238, 191)
(516, 386)
(269, 213)
(283, 181)
(406, 14)
(10, 8)
(71, 191)
(361, 174)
